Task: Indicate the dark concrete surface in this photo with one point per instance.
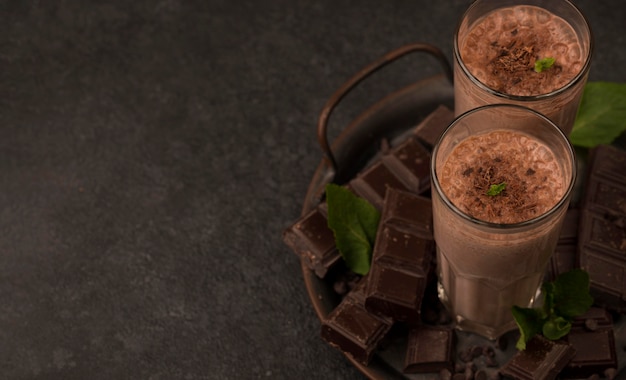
(152, 152)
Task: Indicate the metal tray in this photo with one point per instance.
(390, 119)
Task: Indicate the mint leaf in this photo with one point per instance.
(544, 64)
(563, 299)
(496, 189)
(354, 222)
(529, 322)
(571, 293)
(556, 328)
(601, 116)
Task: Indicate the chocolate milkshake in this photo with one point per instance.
(523, 53)
(502, 176)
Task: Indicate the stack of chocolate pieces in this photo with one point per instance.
(402, 257)
(404, 167)
(400, 282)
(402, 261)
(352, 329)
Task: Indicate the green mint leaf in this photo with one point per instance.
(544, 64)
(571, 294)
(601, 116)
(354, 222)
(529, 321)
(496, 189)
(563, 299)
(556, 328)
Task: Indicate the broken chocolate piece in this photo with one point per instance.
(593, 339)
(410, 161)
(431, 128)
(602, 231)
(352, 329)
(402, 257)
(312, 239)
(542, 359)
(372, 184)
(430, 349)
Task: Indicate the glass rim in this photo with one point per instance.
(581, 74)
(503, 226)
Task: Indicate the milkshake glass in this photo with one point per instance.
(493, 250)
(497, 44)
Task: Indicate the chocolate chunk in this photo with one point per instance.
(595, 347)
(410, 162)
(402, 257)
(595, 353)
(372, 184)
(602, 231)
(431, 128)
(352, 329)
(565, 255)
(312, 239)
(410, 212)
(430, 349)
(542, 359)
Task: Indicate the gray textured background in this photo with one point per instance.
(151, 153)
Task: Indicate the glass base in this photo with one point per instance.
(464, 324)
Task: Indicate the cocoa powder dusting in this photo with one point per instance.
(533, 177)
(501, 51)
(513, 200)
(515, 63)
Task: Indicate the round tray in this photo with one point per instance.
(389, 119)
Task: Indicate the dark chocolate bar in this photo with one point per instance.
(430, 349)
(354, 330)
(431, 128)
(372, 183)
(593, 338)
(402, 257)
(565, 254)
(410, 163)
(542, 359)
(602, 231)
(314, 241)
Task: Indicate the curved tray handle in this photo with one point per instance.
(322, 124)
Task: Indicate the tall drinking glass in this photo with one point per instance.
(534, 53)
(502, 176)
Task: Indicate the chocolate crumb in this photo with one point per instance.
(481, 375)
(490, 361)
(459, 367)
(445, 374)
(530, 171)
(476, 351)
(489, 351)
(465, 356)
(591, 324)
(610, 373)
